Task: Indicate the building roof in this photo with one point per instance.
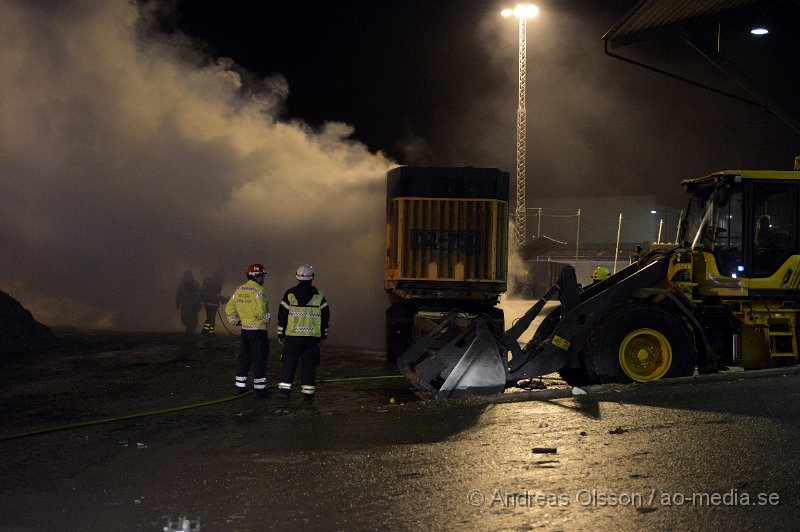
(540, 246)
(652, 17)
(766, 67)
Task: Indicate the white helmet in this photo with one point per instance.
(304, 273)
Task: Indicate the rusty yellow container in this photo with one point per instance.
(447, 232)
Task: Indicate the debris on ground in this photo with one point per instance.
(544, 450)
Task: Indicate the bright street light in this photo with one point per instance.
(523, 12)
(760, 26)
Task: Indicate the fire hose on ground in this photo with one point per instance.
(175, 409)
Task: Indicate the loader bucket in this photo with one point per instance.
(459, 357)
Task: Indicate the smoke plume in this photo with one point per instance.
(127, 158)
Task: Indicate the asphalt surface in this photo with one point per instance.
(713, 453)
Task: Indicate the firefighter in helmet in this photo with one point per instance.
(302, 328)
(249, 309)
(601, 273)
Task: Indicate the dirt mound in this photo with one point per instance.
(19, 331)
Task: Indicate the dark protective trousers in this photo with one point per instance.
(295, 350)
(211, 313)
(189, 315)
(253, 350)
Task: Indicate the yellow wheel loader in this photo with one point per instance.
(726, 296)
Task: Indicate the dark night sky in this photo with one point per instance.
(394, 69)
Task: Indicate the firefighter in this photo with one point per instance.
(249, 309)
(187, 299)
(302, 328)
(211, 297)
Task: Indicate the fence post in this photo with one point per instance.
(678, 229)
(577, 238)
(616, 251)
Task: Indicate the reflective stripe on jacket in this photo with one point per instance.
(304, 320)
(249, 305)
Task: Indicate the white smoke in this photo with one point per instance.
(127, 158)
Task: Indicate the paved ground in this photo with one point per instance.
(622, 457)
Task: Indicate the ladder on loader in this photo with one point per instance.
(782, 336)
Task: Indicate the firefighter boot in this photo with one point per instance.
(284, 389)
(308, 392)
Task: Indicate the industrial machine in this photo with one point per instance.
(446, 248)
(727, 296)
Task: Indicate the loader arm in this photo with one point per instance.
(469, 357)
(562, 347)
(463, 357)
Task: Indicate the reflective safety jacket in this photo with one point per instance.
(249, 306)
(304, 312)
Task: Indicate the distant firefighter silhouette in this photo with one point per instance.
(187, 299)
(211, 297)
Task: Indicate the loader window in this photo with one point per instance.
(725, 231)
(774, 226)
(693, 219)
(714, 223)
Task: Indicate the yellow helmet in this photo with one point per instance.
(601, 273)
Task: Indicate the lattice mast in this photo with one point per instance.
(520, 212)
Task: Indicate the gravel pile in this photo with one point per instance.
(19, 331)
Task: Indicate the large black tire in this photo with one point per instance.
(640, 342)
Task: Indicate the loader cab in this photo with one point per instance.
(747, 220)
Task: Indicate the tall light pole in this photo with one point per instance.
(523, 12)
